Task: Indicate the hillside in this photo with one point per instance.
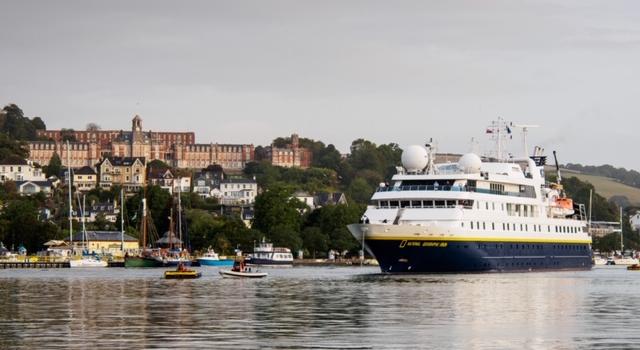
(605, 186)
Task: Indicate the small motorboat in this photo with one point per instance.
(239, 269)
(634, 267)
(211, 258)
(182, 273)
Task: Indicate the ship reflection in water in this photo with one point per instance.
(317, 308)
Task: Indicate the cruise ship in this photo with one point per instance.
(476, 215)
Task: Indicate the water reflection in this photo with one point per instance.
(317, 308)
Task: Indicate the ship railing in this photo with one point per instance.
(454, 188)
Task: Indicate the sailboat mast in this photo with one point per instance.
(180, 214)
(84, 228)
(122, 220)
(70, 198)
(621, 238)
(171, 228)
(144, 223)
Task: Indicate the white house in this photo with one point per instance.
(237, 191)
(20, 170)
(305, 198)
(30, 187)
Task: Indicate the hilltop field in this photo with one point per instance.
(606, 187)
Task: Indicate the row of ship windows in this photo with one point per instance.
(477, 225)
(521, 210)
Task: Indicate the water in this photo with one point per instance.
(318, 308)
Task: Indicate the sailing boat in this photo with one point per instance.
(87, 260)
(177, 255)
(145, 259)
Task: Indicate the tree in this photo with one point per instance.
(314, 240)
(54, 167)
(93, 127)
(68, 135)
(19, 224)
(360, 191)
(277, 215)
(16, 125)
(11, 149)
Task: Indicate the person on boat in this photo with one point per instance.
(181, 267)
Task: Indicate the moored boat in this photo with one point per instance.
(477, 215)
(266, 254)
(142, 261)
(88, 261)
(211, 258)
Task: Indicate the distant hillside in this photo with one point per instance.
(622, 175)
(605, 186)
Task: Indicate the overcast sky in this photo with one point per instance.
(392, 71)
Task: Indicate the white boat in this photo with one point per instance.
(266, 254)
(230, 273)
(87, 261)
(240, 270)
(496, 213)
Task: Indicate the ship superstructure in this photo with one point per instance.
(473, 215)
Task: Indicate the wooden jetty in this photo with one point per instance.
(33, 265)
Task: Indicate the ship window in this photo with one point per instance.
(493, 226)
(405, 204)
(549, 228)
(484, 226)
(416, 204)
(472, 225)
(521, 227)
(493, 205)
(451, 204)
(486, 205)
(478, 224)
(384, 204)
(428, 204)
(439, 204)
(503, 227)
(393, 204)
(462, 224)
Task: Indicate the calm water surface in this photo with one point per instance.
(319, 308)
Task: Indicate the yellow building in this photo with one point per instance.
(105, 242)
(85, 178)
(128, 172)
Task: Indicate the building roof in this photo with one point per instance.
(123, 161)
(238, 181)
(160, 173)
(14, 161)
(85, 170)
(102, 236)
(42, 183)
(326, 198)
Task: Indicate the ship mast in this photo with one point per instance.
(499, 130)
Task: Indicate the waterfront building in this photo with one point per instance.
(85, 179)
(178, 149)
(105, 242)
(128, 172)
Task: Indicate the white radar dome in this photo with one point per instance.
(415, 158)
(470, 163)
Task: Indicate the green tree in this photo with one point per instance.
(54, 167)
(277, 215)
(360, 191)
(17, 126)
(314, 240)
(12, 150)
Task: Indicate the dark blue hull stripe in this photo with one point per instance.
(437, 256)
